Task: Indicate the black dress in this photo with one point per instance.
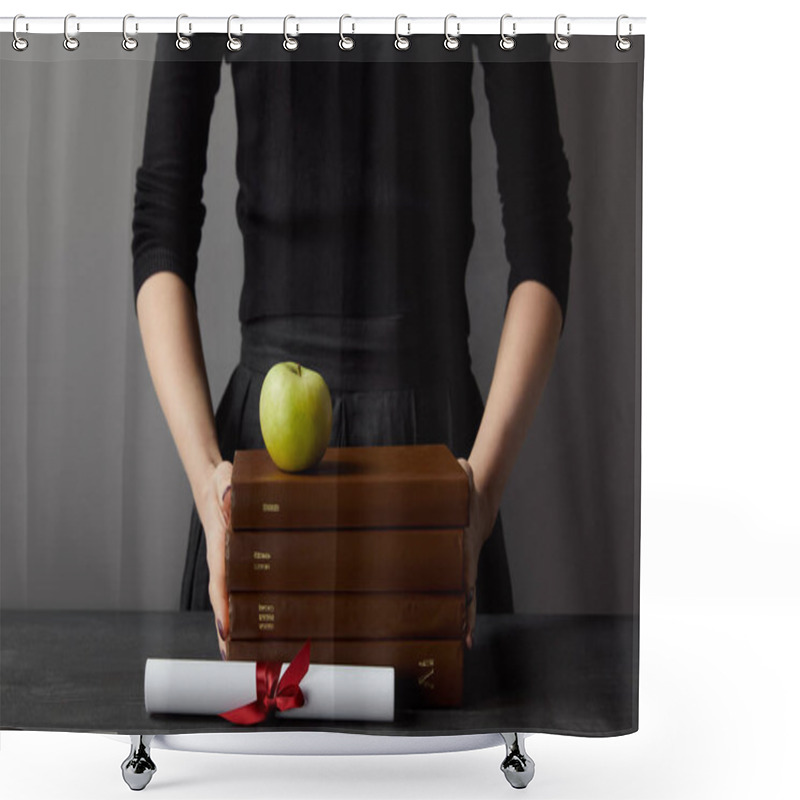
(354, 204)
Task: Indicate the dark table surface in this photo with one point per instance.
(84, 671)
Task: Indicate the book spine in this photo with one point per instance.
(346, 615)
(428, 673)
(355, 560)
(408, 503)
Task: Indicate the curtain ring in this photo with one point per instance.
(623, 44)
(561, 43)
(289, 42)
(182, 42)
(234, 44)
(129, 43)
(19, 44)
(346, 42)
(507, 42)
(401, 42)
(451, 42)
(70, 42)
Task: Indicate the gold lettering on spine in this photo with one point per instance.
(259, 559)
(270, 508)
(426, 678)
(266, 616)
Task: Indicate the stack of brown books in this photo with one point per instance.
(363, 555)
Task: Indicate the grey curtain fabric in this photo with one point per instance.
(95, 507)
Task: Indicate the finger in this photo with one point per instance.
(471, 625)
(222, 477)
(217, 592)
(226, 506)
(216, 583)
(219, 602)
(471, 616)
(222, 480)
(467, 467)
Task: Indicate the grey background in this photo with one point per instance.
(94, 505)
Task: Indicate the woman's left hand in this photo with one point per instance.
(481, 522)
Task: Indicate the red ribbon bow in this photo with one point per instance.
(271, 693)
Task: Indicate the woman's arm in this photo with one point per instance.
(172, 346)
(524, 358)
(533, 179)
(167, 225)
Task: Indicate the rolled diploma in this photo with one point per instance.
(331, 691)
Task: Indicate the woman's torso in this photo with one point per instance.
(355, 188)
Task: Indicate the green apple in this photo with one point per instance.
(296, 416)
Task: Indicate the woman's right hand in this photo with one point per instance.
(171, 337)
(214, 509)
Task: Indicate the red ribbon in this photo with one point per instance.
(271, 693)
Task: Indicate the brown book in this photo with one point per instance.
(428, 673)
(346, 615)
(404, 486)
(352, 560)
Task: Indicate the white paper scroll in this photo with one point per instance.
(186, 686)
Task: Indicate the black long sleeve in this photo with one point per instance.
(168, 208)
(532, 170)
(354, 176)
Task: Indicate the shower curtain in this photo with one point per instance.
(450, 237)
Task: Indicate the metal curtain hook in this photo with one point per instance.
(346, 42)
(182, 42)
(401, 42)
(128, 42)
(289, 42)
(70, 42)
(19, 44)
(233, 44)
(622, 43)
(451, 42)
(507, 42)
(561, 43)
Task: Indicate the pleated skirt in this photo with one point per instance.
(393, 381)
